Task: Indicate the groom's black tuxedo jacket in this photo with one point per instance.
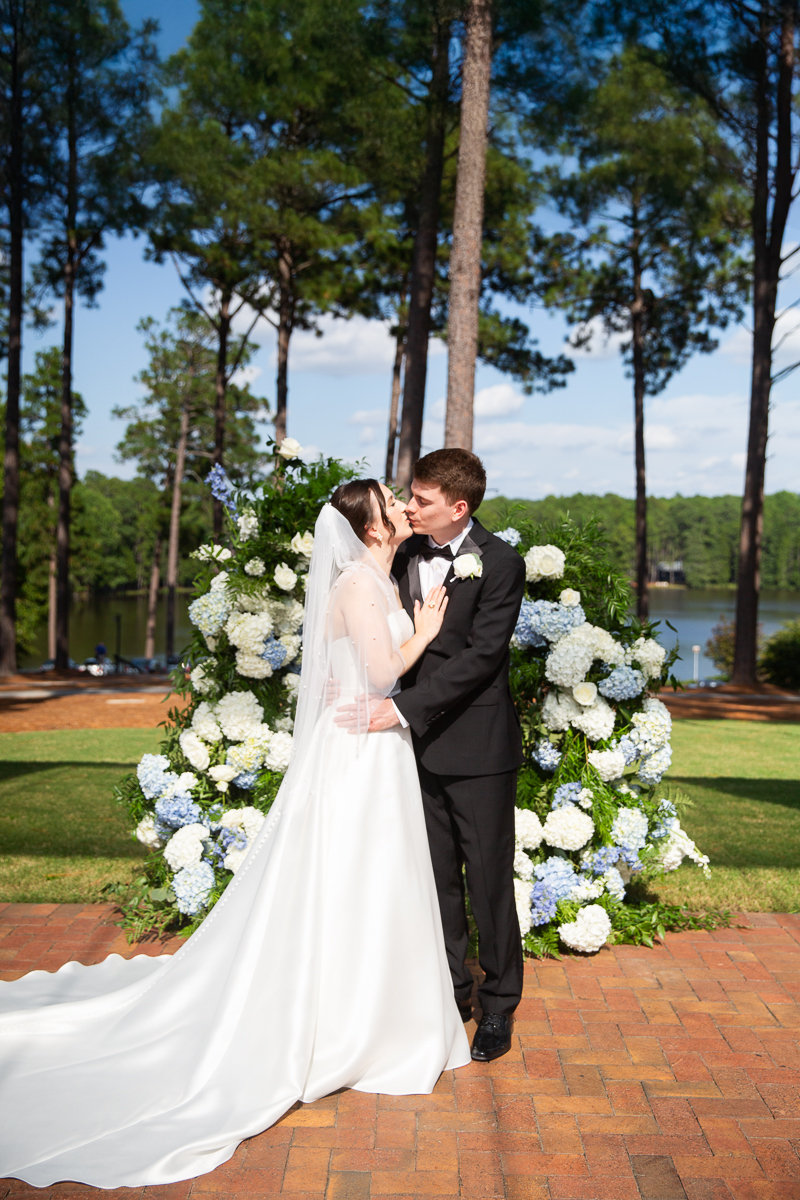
(456, 698)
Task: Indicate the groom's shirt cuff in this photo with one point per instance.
(400, 716)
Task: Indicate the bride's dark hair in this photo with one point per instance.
(354, 501)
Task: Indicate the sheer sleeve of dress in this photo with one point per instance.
(348, 654)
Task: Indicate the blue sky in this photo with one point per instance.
(575, 439)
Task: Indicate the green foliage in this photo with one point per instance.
(780, 658)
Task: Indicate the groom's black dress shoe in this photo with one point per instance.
(493, 1038)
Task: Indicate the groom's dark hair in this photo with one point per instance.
(458, 474)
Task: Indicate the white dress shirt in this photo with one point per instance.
(432, 572)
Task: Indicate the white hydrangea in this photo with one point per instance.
(185, 847)
(648, 655)
(252, 666)
(630, 828)
(614, 883)
(528, 831)
(585, 797)
(248, 631)
(285, 577)
(652, 727)
(523, 867)
(255, 566)
(607, 649)
(287, 616)
(571, 657)
(558, 710)
(235, 857)
(596, 721)
(291, 644)
(248, 819)
(585, 693)
(248, 525)
(677, 847)
(220, 582)
(609, 764)
(216, 553)
(239, 715)
(204, 723)
(195, 749)
(589, 931)
(544, 562)
(292, 684)
(184, 783)
(257, 601)
(587, 889)
(303, 544)
(202, 682)
(147, 835)
(522, 898)
(568, 828)
(279, 752)
(653, 766)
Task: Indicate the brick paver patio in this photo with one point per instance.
(658, 1074)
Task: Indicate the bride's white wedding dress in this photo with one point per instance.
(322, 967)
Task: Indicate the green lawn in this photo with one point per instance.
(62, 837)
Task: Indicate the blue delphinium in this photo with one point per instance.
(546, 755)
(601, 860)
(192, 887)
(177, 811)
(222, 488)
(555, 878)
(154, 775)
(274, 652)
(510, 535)
(622, 684)
(246, 779)
(566, 794)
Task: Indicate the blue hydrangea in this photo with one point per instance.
(154, 775)
(192, 887)
(654, 765)
(222, 488)
(614, 882)
(274, 652)
(177, 810)
(510, 535)
(246, 779)
(627, 748)
(622, 684)
(210, 612)
(294, 668)
(543, 621)
(555, 879)
(602, 860)
(546, 755)
(232, 839)
(566, 794)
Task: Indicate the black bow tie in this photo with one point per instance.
(428, 552)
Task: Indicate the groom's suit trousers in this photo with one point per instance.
(470, 821)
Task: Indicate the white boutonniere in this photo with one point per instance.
(467, 566)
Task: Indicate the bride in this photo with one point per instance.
(321, 967)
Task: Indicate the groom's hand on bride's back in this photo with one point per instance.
(367, 716)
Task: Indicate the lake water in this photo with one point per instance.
(692, 612)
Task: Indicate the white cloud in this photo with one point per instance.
(600, 345)
(498, 401)
(337, 347)
(370, 416)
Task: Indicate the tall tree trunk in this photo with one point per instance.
(391, 441)
(767, 244)
(220, 399)
(8, 565)
(465, 259)
(423, 270)
(152, 600)
(174, 528)
(637, 339)
(286, 305)
(51, 592)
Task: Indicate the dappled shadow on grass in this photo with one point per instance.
(785, 792)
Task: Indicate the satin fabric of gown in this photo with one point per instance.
(322, 967)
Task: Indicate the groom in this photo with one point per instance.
(465, 728)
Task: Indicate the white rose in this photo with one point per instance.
(255, 566)
(570, 598)
(223, 773)
(544, 562)
(609, 764)
(589, 931)
(303, 543)
(248, 819)
(289, 448)
(186, 781)
(585, 693)
(146, 832)
(194, 749)
(285, 577)
(468, 566)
